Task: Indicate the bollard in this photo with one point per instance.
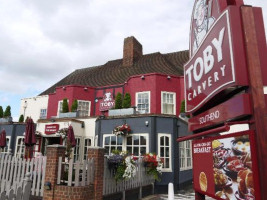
(170, 192)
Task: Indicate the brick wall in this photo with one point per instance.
(61, 192)
(132, 51)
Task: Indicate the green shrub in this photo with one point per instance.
(65, 106)
(74, 105)
(182, 109)
(21, 118)
(126, 103)
(7, 112)
(118, 101)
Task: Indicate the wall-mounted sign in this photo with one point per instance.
(107, 103)
(236, 107)
(228, 170)
(51, 128)
(213, 65)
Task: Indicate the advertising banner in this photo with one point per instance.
(51, 128)
(213, 66)
(107, 103)
(224, 166)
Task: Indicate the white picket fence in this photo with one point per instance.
(75, 174)
(21, 192)
(13, 171)
(141, 179)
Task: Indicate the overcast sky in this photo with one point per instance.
(42, 41)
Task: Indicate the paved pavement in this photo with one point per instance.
(179, 196)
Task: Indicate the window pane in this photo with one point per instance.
(136, 139)
(162, 141)
(129, 140)
(167, 163)
(107, 140)
(143, 140)
(167, 141)
(113, 140)
(119, 140)
(119, 148)
(161, 151)
(143, 150)
(136, 151)
(129, 149)
(167, 152)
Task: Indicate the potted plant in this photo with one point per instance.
(153, 164)
(122, 130)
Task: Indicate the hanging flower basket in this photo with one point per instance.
(153, 164)
(122, 130)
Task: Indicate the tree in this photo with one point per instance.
(21, 118)
(7, 112)
(118, 101)
(74, 105)
(65, 106)
(1, 112)
(126, 103)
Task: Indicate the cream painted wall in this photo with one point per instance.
(32, 106)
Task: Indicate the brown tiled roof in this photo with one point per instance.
(113, 72)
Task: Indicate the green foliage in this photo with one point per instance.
(1, 112)
(118, 101)
(21, 118)
(126, 103)
(74, 105)
(65, 106)
(7, 112)
(120, 171)
(182, 109)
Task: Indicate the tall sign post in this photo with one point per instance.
(224, 86)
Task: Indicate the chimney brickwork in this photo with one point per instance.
(132, 51)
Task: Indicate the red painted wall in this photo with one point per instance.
(155, 83)
(70, 92)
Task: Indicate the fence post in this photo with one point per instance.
(98, 154)
(53, 152)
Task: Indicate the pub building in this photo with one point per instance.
(155, 83)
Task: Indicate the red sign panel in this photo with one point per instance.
(228, 170)
(107, 103)
(51, 128)
(238, 106)
(213, 67)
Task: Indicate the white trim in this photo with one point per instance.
(83, 144)
(170, 150)
(232, 62)
(58, 107)
(174, 101)
(80, 157)
(265, 89)
(149, 99)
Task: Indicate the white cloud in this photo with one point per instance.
(43, 41)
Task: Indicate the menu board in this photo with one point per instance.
(222, 166)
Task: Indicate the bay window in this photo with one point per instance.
(164, 149)
(185, 155)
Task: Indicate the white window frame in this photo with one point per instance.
(109, 135)
(174, 102)
(41, 115)
(124, 141)
(22, 147)
(58, 107)
(182, 145)
(89, 107)
(149, 100)
(75, 152)
(170, 150)
(138, 134)
(85, 155)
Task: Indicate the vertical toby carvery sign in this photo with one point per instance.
(216, 48)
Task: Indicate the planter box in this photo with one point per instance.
(120, 112)
(67, 115)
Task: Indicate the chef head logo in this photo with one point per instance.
(202, 21)
(107, 96)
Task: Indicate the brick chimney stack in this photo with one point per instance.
(132, 51)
